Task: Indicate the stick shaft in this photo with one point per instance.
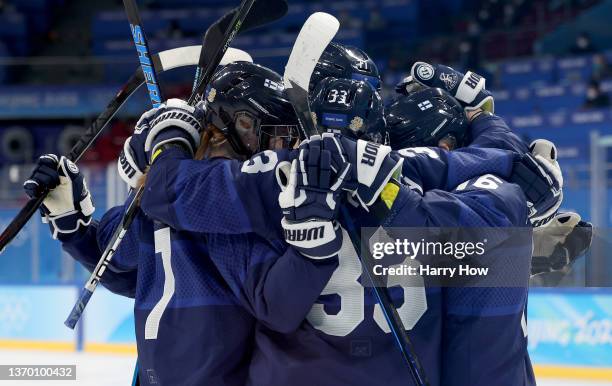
(226, 39)
(150, 76)
(105, 259)
(77, 151)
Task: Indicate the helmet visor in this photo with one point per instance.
(277, 137)
(246, 126)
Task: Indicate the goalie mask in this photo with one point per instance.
(426, 117)
(247, 103)
(347, 62)
(350, 107)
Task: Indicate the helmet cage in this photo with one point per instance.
(246, 103)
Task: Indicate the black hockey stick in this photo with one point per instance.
(220, 35)
(100, 123)
(77, 151)
(316, 34)
(150, 71)
(261, 12)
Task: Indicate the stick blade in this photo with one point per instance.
(235, 55)
(264, 12)
(314, 37)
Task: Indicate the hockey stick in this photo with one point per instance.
(261, 12)
(216, 35)
(142, 47)
(150, 72)
(314, 37)
(165, 61)
(227, 56)
(220, 35)
(150, 75)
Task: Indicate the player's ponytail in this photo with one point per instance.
(212, 139)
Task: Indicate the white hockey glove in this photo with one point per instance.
(558, 244)
(173, 122)
(469, 89)
(539, 175)
(68, 206)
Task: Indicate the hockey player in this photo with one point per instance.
(345, 62)
(565, 236)
(197, 296)
(349, 107)
(473, 317)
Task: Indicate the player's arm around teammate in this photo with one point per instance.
(276, 283)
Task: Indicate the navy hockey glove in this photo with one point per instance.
(68, 206)
(558, 244)
(309, 201)
(468, 89)
(373, 164)
(539, 176)
(173, 122)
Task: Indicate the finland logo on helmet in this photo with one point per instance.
(350, 107)
(426, 117)
(247, 102)
(347, 62)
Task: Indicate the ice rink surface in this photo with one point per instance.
(99, 369)
(91, 369)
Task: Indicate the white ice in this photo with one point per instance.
(98, 369)
(91, 369)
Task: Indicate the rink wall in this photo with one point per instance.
(32, 318)
(570, 331)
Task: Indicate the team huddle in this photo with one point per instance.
(241, 269)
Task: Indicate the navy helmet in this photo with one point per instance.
(424, 118)
(247, 102)
(351, 107)
(348, 62)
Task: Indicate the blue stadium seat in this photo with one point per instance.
(525, 73)
(13, 32)
(3, 69)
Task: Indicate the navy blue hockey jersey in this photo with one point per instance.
(198, 295)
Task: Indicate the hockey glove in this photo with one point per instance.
(373, 165)
(539, 176)
(468, 89)
(559, 243)
(173, 122)
(309, 201)
(68, 206)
